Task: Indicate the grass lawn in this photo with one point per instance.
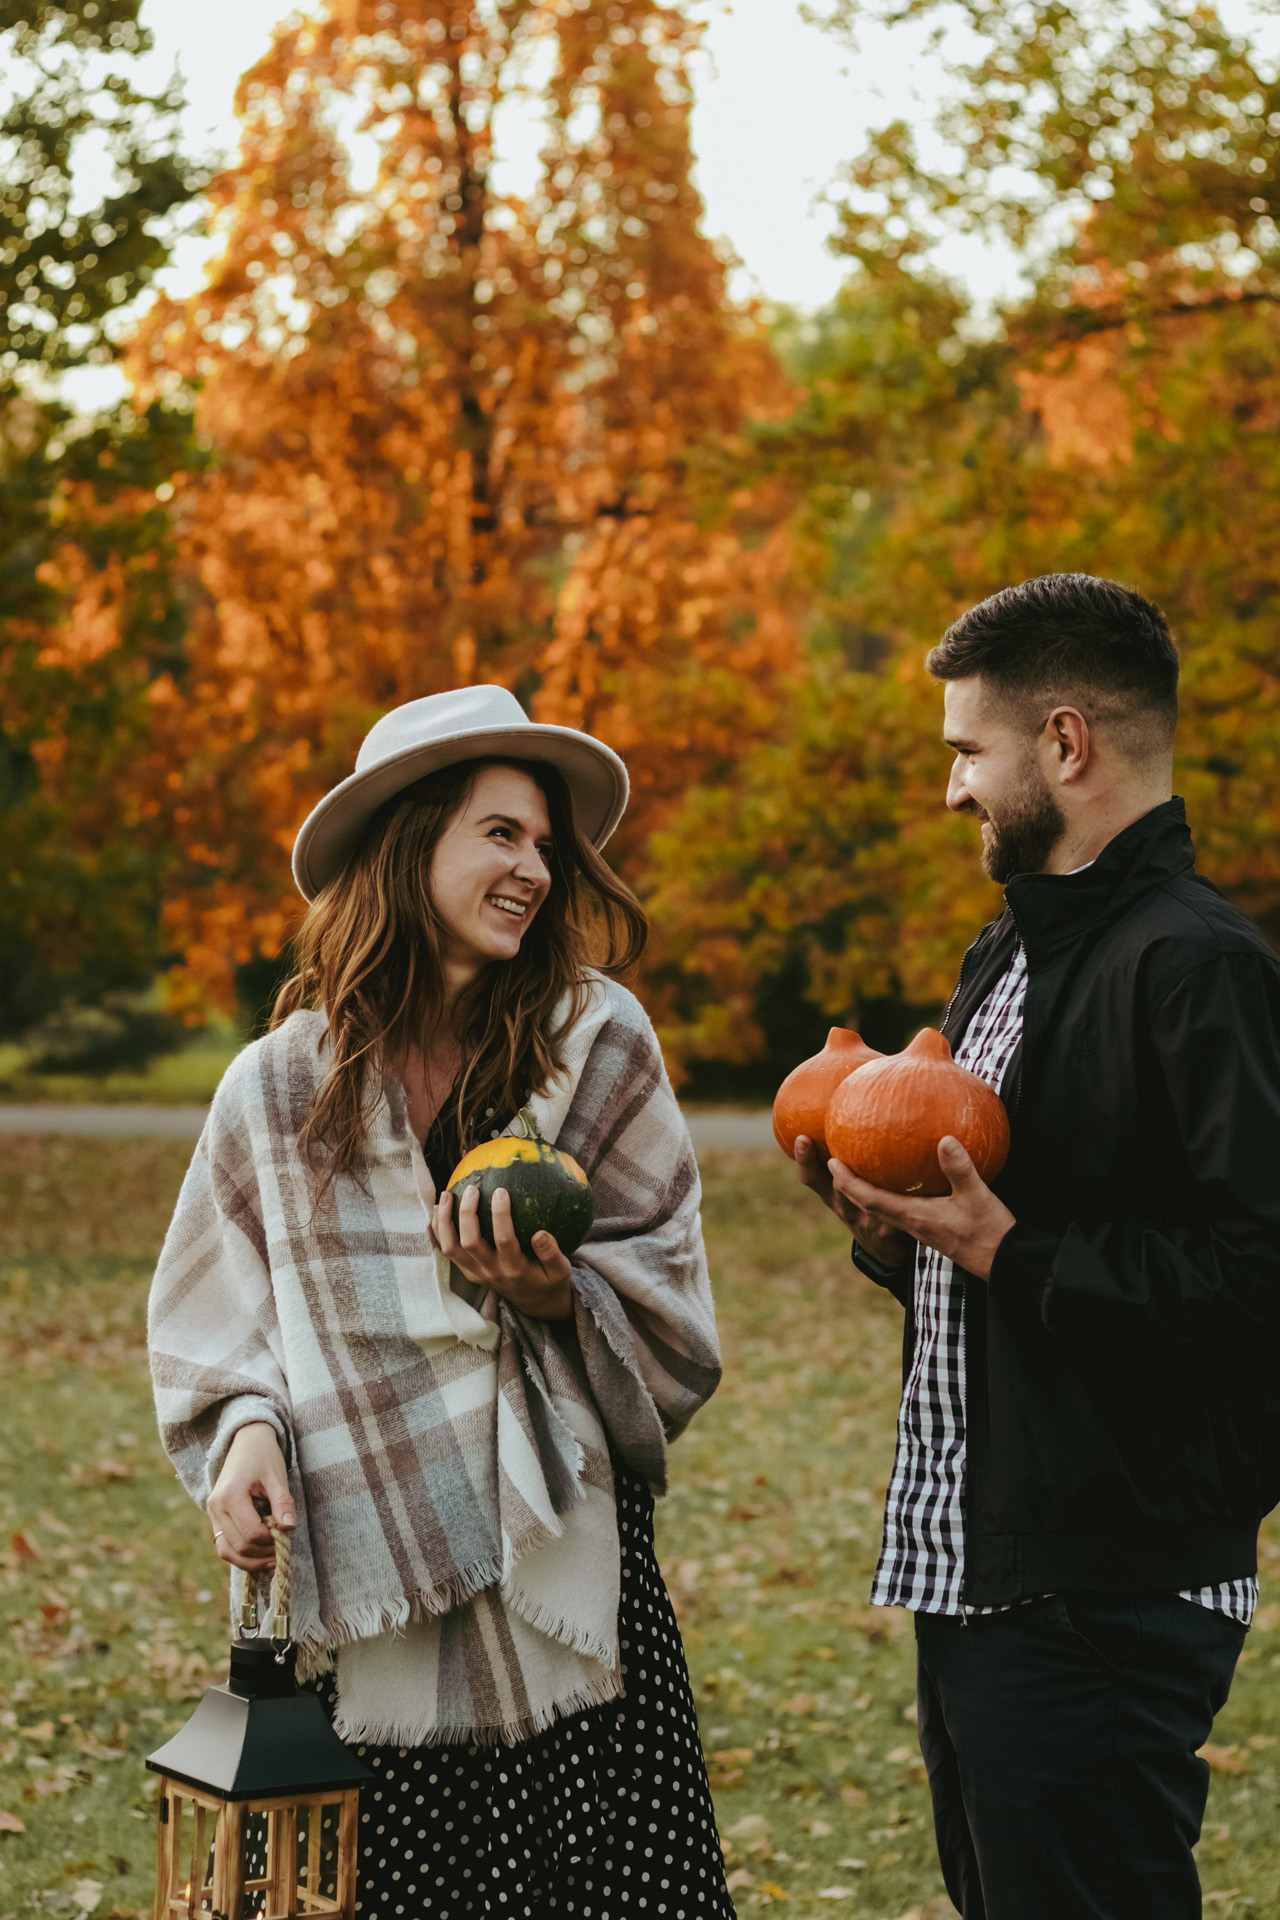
(114, 1608)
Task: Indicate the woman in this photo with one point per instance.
(463, 1435)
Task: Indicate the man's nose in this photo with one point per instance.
(957, 793)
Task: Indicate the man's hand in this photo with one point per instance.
(967, 1224)
(883, 1243)
(539, 1286)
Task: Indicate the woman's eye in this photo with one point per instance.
(505, 832)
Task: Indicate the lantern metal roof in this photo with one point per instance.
(257, 1735)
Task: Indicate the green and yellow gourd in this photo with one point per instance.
(549, 1191)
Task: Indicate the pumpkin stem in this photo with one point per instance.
(527, 1126)
(931, 1044)
(844, 1040)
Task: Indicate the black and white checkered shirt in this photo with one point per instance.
(922, 1560)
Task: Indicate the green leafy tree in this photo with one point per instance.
(89, 625)
(1122, 418)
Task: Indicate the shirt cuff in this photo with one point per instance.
(899, 1280)
(874, 1269)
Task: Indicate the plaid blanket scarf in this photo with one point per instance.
(449, 1457)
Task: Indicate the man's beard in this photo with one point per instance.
(1025, 832)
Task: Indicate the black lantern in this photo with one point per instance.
(258, 1795)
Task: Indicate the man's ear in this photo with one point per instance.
(1066, 735)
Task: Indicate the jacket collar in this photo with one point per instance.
(1052, 909)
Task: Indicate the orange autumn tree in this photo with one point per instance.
(455, 434)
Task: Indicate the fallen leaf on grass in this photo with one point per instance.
(799, 1703)
(770, 1890)
(836, 1893)
(86, 1895)
(42, 1732)
(888, 1859)
(61, 1781)
(1224, 1759)
(854, 1796)
(87, 1476)
(819, 1829)
(787, 1576)
(854, 1866)
(10, 1823)
(24, 1546)
(1229, 1893)
(734, 1756)
(739, 1879)
(747, 1510)
(1267, 1619)
(901, 1756)
(724, 1777)
(752, 1826)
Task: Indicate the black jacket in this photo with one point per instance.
(1123, 1362)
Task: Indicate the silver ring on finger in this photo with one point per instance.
(219, 1535)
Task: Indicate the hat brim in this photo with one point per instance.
(332, 831)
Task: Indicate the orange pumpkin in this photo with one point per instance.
(885, 1121)
(802, 1099)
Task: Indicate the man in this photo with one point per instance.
(1090, 1422)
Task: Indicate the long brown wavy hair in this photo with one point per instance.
(370, 955)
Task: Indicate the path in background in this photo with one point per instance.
(709, 1128)
(175, 1123)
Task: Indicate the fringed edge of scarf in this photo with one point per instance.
(507, 1733)
(578, 1640)
(659, 1484)
(387, 1616)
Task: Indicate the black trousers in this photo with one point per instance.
(1060, 1740)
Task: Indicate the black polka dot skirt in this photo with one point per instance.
(605, 1814)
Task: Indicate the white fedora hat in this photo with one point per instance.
(474, 723)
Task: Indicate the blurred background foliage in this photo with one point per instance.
(89, 611)
(414, 432)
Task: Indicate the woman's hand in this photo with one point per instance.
(874, 1235)
(538, 1286)
(253, 1476)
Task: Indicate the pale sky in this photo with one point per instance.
(779, 107)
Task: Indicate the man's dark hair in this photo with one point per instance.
(1067, 639)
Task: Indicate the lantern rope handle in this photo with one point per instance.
(281, 1584)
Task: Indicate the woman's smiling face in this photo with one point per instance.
(490, 872)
